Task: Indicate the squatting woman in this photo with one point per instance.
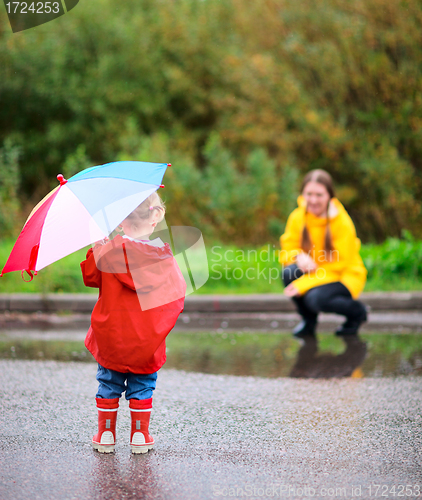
(322, 268)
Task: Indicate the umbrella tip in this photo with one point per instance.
(162, 185)
(169, 164)
(61, 179)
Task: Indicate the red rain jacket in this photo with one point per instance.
(142, 292)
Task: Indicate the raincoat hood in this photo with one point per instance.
(336, 208)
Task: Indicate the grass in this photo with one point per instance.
(395, 265)
(63, 276)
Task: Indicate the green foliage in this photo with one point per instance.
(221, 199)
(227, 89)
(238, 204)
(63, 276)
(395, 265)
(9, 184)
(394, 261)
(75, 162)
(243, 270)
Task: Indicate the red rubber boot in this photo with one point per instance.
(140, 412)
(105, 439)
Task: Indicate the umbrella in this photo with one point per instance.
(81, 210)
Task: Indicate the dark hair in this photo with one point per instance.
(324, 178)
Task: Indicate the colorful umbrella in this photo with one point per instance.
(84, 209)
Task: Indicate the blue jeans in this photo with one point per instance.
(112, 384)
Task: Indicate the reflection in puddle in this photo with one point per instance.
(312, 364)
(112, 478)
(280, 355)
(256, 354)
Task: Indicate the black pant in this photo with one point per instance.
(330, 298)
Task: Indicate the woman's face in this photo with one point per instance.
(316, 197)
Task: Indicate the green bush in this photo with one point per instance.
(9, 184)
(238, 94)
(63, 276)
(395, 265)
(222, 200)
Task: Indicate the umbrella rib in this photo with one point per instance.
(106, 220)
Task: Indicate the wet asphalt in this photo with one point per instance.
(218, 436)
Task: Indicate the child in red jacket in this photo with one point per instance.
(141, 294)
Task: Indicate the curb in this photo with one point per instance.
(254, 303)
(381, 321)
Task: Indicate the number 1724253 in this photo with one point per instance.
(33, 8)
(399, 490)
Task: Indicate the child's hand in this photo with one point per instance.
(101, 242)
(291, 291)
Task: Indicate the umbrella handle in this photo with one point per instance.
(31, 275)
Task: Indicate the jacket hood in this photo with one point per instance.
(335, 209)
(149, 265)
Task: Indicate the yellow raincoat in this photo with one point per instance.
(346, 264)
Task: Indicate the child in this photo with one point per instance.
(141, 294)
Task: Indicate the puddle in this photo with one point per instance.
(261, 354)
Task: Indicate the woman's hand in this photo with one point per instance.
(291, 291)
(305, 263)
